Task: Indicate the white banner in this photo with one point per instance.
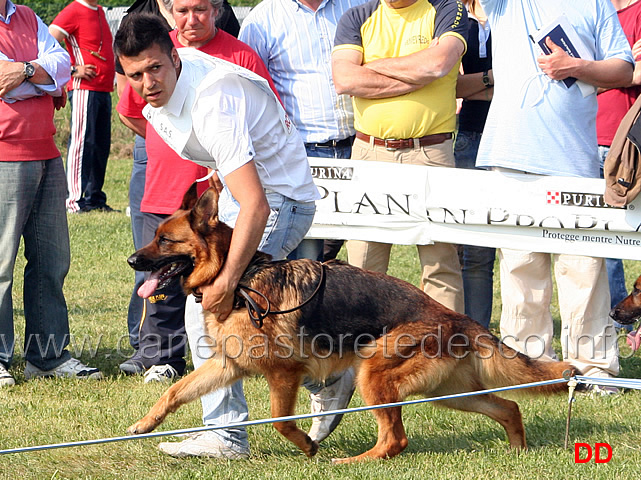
(409, 204)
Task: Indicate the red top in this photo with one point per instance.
(615, 103)
(26, 126)
(168, 175)
(86, 30)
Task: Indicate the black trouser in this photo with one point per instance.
(162, 334)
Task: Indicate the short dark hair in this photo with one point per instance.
(140, 31)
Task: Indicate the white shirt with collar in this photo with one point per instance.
(222, 116)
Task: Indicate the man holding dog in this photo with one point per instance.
(225, 118)
(33, 72)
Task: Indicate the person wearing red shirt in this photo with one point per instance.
(614, 103)
(84, 28)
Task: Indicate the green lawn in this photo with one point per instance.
(443, 443)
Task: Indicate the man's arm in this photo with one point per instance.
(51, 70)
(425, 66)
(609, 73)
(87, 71)
(12, 76)
(636, 54)
(137, 125)
(244, 184)
(353, 78)
(471, 87)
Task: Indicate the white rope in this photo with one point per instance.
(632, 383)
(614, 382)
(274, 420)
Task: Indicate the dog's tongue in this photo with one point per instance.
(148, 288)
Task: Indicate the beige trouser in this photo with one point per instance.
(441, 271)
(588, 338)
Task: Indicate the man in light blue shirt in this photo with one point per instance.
(295, 40)
(538, 125)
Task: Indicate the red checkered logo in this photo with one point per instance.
(554, 198)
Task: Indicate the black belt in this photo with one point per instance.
(345, 142)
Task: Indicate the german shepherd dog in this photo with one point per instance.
(400, 341)
(627, 312)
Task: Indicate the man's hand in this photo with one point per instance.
(11, 76)
(85, 72)
(218, 298)
(61, 101)
(558, 65)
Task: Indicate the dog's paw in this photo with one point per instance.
(313, 449)
(140, 427)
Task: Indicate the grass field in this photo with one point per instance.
(443, 444)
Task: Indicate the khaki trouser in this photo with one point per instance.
(588, 338)
(441, 272)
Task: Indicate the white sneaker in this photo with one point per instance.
(6, 380)
(603, 390)
(333, 397)
(204, 444)
(161, 374)
(72, 368)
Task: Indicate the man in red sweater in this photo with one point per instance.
(33, 72)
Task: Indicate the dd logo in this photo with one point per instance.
(588, 450)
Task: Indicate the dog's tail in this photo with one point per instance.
(501, 366)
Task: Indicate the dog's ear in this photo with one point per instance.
(190, 197)
(204, 213)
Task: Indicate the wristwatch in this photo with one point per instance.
(29, 70)
(486, 80)
(73, 70)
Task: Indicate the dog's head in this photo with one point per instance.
(628, 310)
(191, 244)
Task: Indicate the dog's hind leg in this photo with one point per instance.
(506, 412)
(377, 389)
(283, 390)
(210, 376)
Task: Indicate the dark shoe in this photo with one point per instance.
(106, 208)
(101, 208)
(132, 366)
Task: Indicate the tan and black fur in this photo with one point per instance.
(395, 336)
(628, 310)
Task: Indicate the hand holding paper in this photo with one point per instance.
(558, 65)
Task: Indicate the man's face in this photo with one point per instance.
(152, 74)
(195, 21)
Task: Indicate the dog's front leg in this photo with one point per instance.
(283, 390)
(210, 376)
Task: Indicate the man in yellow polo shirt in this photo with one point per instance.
(399, 59)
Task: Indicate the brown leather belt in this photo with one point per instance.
(400, 143)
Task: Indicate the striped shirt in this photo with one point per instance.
(296, 45)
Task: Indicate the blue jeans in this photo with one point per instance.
(477, 263)
(136, 191)
(287, 224)
(32, 206)
(316, 248)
